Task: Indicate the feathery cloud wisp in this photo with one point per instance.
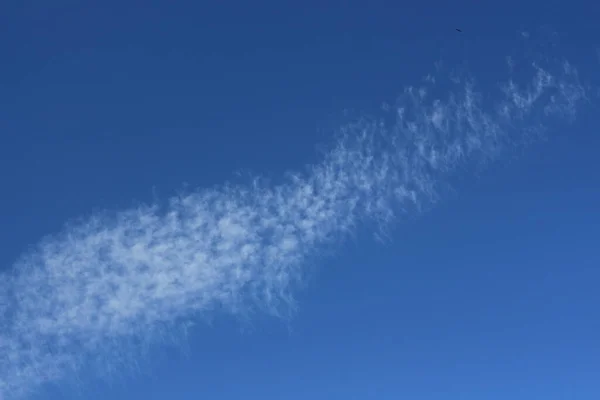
(77, 296)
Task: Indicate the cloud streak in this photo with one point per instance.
(81, 297)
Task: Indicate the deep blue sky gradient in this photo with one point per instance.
(493, 294)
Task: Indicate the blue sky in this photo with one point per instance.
(483, 287)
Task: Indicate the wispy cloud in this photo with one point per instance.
(77, 297)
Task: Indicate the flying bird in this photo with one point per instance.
(458, 30)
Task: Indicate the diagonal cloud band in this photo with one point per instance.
(75, 296)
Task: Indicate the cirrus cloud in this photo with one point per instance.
(78, 298)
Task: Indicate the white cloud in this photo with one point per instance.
(77, 297)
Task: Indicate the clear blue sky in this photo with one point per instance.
(492, 293)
